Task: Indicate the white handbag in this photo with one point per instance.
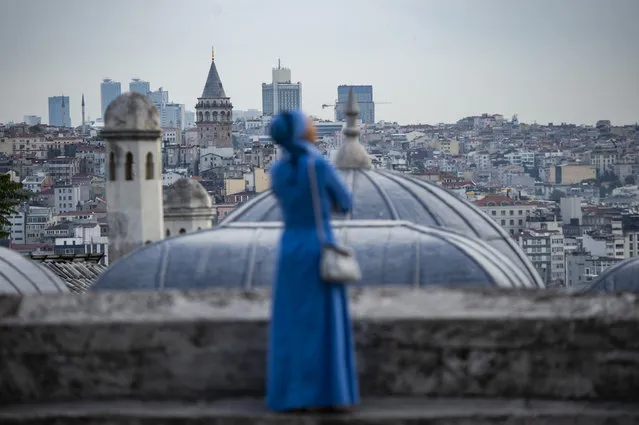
(337, 263)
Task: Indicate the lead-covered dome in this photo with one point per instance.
(244, 255)
(622, 277)
(19, 275)
(385, 195)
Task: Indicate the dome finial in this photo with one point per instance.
(352, 154)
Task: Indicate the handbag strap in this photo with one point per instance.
(317, 205)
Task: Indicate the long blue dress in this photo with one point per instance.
(311, 359)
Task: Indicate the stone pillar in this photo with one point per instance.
(352, 154)
(134, 173)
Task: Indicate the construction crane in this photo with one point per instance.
(324, 106)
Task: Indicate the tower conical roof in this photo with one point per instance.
(213, 88)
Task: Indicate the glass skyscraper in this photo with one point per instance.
(109, 90)
(59, 115)
(363, 96)
(139, 86)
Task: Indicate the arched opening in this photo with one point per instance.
(207, 116)
(214, 116)
(128, 167)
(182, 231)
(199, 228)
(168, 233)
(147, 242)
(200, 117)
(149, 166)
(112, 166)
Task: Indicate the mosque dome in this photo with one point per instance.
(19, 275)
(622, 277)
(386, 195)
(243, 254)
(186, 193)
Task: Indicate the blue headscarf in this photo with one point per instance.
(287, 130)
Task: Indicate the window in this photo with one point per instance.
(112, 166)
(168, 233)
(128, 167)
(149, 166)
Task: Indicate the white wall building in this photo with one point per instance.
(66, 198)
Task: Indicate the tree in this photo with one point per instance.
(556, 195)
(11, 194)
(629, 180)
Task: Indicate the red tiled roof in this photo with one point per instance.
(498, 200)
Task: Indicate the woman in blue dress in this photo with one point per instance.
(311, 359)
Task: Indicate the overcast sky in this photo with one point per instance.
(433, 60)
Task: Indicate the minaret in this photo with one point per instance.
(352, 154)
(83, 121)
(214, 112)
(64, 124)
(134, 186)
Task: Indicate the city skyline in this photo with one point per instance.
(570, 61)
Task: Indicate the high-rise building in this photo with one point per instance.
(59, 115)
(109, 90)
(281, 95)
(363, 97)
(189, 119)
(32, 120)
(172, 115)
(214, 112)
(139, 86)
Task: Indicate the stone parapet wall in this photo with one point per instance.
(410, 342)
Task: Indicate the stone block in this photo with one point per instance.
(203, 346)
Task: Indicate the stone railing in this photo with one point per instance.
(197, 346)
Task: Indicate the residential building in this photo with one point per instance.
(571, 210)
(545, 248)
(62, 169)
(36, 222)
(36, 183)
(582, 268)
(82, 238)
(510, 213)
(17, 227)
(603, 159)
(66, 198)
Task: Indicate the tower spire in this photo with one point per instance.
(64, 112)
(83, 120)
(212, 53)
